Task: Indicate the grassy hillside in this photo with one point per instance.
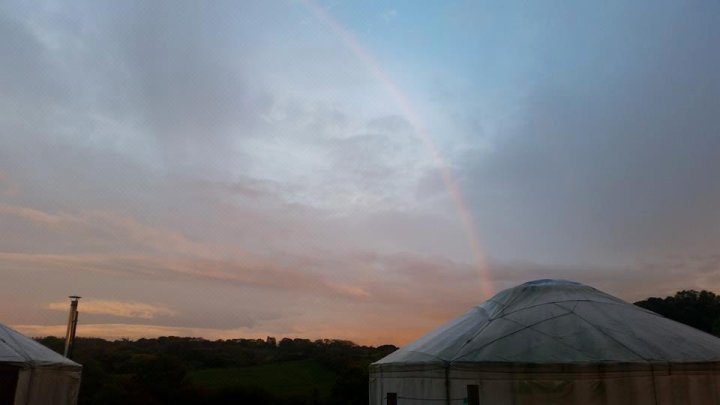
(288, 379)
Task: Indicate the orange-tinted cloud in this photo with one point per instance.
(135, 331)
(118, 308)
(7, 186)
(369, 335)
(33, 215)
(257, 272)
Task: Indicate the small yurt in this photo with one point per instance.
(32, 374)
(553, 342)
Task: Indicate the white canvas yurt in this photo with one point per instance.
(553, 342)
(32, 374)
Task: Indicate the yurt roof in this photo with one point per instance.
(559, 322)
(19, 349)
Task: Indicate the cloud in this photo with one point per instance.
(262, 273)
(33, 215)
(84, 230)
(24, 77)
(388, 15)
(7, 186)
(142, 82)
(136, 331)
(117, 308)
(611, 153)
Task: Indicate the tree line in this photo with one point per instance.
(699, 309)
(156, 371)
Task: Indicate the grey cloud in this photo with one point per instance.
(54, 175)
(376, 156)
(616, 160)
(24, 61)
(190, 85)
(328, 122)
(199, 316)
(430, 184)
(187, 80)
(390, 123)
(171, 76)
(366, 156)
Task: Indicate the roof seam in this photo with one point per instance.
(556, 302)
(555, 338)
(428, 354)
(18, 346)
(504, 336)
(609, 336)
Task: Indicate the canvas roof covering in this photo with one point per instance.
(553, 342)
(34, 374)
(18, 348)
(559, 322)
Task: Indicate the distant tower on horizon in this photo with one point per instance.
(271, 341)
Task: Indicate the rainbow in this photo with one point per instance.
(466, 217)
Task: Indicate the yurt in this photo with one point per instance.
(32, 374)
(553, 342)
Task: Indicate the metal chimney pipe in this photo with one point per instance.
(72, 325)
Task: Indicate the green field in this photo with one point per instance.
(284, 379)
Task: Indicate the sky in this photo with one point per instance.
(351, 170)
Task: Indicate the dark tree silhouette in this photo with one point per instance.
(155, 371)
(699, 309)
